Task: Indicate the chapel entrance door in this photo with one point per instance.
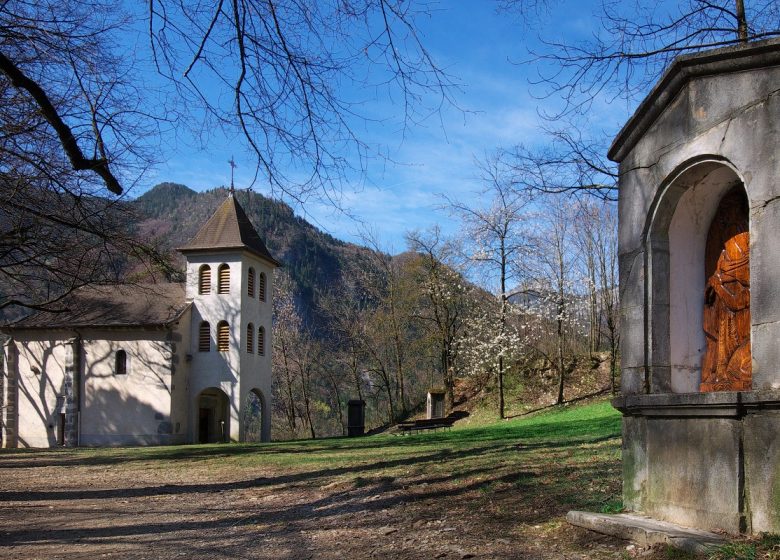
(727, 361)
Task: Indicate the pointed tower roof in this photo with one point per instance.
(229, 228)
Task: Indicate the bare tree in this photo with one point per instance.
(596, 235)
(287, 328)
(552, 266)
(69, 116)
(282, 65)
(384, 280)
(632, 45)
(343, 307)
(495, 236)
(636, 41)
(83, 106)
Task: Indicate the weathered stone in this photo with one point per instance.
(711, 125)
(693, 475)
(634, 462)
(646, 531)
(762, 471)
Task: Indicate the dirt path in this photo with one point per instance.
(55, 507)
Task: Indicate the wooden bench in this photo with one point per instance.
(426, 424)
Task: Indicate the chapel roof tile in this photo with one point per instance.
(229, 228)
(123, 305)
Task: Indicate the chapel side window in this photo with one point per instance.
(261, 341)
(120, 363)
(261, 286)
(223, 279)
(204, 337)
(250, 338)
(250, 283)
(223, 336)
(204, 280)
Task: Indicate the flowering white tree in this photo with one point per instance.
(494, 237)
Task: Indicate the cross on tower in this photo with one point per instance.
(232, 170)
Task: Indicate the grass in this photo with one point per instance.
(581, 443)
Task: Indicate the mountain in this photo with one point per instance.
(172, 214)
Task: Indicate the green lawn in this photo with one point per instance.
(581, 439)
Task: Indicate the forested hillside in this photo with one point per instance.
(173, 213)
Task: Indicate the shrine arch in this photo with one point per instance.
(675, 243)
(253, 416)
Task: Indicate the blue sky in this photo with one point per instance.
(481, 48)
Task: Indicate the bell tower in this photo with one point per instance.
(230, 284)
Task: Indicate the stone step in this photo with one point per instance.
(646, 531)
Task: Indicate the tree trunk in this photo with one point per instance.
(561, 370)
(306, 402)
(501, 412)
(502, 329)
(742, 27)
(337, 395)
(399, 370)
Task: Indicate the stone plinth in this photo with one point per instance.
(704, 460)
(646, 531)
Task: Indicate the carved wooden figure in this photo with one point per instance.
(727, 361)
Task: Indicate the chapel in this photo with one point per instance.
(151, 364)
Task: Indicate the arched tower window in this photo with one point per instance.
(250, 282)
(204, 337)
(250, 338)
(261, 341)
(204, 280)
(223, 281)
(223, 336)
(120, 363)
(261, 286)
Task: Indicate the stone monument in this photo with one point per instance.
(356, 417)
(699, 249)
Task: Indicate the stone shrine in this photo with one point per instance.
(699, 249)
(434, 404)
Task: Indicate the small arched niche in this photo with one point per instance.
(678, 254)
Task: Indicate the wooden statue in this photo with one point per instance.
(727, 361)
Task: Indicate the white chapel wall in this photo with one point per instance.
(256, 369)
(214, 368)
(135, 407)
(40, 366)
(688, 232)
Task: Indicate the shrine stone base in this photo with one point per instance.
(647, 532)
(706, 460)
